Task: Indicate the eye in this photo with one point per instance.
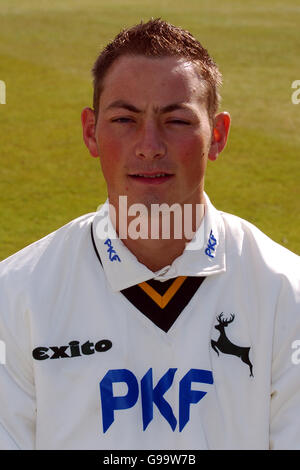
(122, 120)
(178, 121)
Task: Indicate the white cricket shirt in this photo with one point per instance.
(102, 353)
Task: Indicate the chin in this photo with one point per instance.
(155, 199)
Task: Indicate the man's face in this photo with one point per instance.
(153, 121)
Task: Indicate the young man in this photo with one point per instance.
(121, 341)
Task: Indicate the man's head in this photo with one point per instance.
(157, 39)
(156, 122)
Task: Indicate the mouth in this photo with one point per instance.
(152, 177)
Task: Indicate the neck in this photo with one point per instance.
(155, 254)
(157, 240)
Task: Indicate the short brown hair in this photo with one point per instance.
(155, 39)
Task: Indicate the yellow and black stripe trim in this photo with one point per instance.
(161, 302)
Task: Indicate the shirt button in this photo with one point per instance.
(164, 271)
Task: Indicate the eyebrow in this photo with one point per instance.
(165, 109)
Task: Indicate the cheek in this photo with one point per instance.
(192, 152)
(110, 151)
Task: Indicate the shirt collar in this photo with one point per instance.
(204, 255)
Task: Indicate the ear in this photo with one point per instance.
(220, 134)
(88, 131)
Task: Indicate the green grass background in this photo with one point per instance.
(47, 48)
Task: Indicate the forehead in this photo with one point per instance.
(164, 79)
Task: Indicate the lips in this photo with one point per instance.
(152, 177)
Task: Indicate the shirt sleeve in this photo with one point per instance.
(285, 386)
(17, 391)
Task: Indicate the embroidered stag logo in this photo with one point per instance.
(225, 346)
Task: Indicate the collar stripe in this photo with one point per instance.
(164, 316)
(163, 300)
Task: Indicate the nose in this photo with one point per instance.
(150, 144)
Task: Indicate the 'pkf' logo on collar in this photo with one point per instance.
(110, 250)
(210, 250)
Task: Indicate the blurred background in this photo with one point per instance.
(47, 50)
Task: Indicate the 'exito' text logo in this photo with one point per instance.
(2, 92)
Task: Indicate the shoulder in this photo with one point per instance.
(56, 245)
(253, 246)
